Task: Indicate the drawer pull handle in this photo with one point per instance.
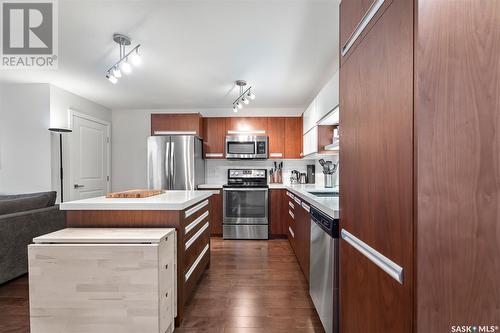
(291, 204)
(196, 208)
(370, 13)
(196, 262)
(291, 214)
(290, 195)
(291, 232)
(384, 263)
(297, 200)
(306, 207)
(193, 224)
(196, 235)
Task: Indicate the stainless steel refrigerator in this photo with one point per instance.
(175, 162)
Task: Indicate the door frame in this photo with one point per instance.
(70, 150)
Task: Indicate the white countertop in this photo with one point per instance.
(170, 200)
(105, 235)
(328, 205)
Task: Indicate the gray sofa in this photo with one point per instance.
(23, 217)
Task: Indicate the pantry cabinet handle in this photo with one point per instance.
(390, 267)
(370, 13)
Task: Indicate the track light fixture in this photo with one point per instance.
(245, 96)
(126, 59)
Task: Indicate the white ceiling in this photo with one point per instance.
(193, 51)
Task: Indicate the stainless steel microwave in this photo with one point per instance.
(246, 147)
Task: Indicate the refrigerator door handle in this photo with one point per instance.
(167, 164)
(172, 165)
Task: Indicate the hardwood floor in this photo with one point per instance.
(251, 286)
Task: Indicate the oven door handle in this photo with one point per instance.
(245, 189)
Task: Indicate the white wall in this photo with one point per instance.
(61, 101)
(131, 129)
(25, 164)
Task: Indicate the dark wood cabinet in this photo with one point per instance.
(178, 122)
(298, 223)
(376, 91)
(277, 214)
(303, 236)
(216, 213)
(214, 137)
(276, 133)
(246, 124)
(416, 101)
(285, 134)
(293, 137)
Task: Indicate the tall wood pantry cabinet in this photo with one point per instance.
(420, 152)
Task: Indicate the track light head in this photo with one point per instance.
(135, 58)
(111, 78)
(245, 100)
(125, 67)
(239, 105)
(116, 72)
(235, 109)
(251, 95)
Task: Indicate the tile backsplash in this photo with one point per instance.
(216, 170)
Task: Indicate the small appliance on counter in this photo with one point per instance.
(311, 173)
(302, 178)
(329, 169)
(245, 204)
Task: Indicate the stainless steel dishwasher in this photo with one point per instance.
(324, 268)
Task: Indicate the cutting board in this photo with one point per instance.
(134, 194)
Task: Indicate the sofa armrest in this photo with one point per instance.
(28, 212)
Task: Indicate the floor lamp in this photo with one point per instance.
(60, 131)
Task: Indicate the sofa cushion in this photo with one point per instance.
(23, 202)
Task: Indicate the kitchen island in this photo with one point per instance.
(186, 211)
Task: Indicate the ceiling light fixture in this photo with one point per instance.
(123, 64)
(245, 95)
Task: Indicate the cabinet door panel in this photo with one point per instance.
(376, 89)
(215, 132)
(216, 213)
(246, 124)
(276, 132)
(278, 221)
(293, 137)
(185, 122)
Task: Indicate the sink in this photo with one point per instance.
(324, 194)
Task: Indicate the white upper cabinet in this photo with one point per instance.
(310, 144)
(325, 101)
(309, 120)
(328, 97)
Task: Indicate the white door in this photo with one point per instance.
(89, 158)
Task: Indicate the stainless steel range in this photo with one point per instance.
(245, 204)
